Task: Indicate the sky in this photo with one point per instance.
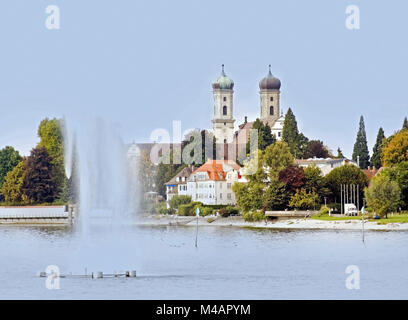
(143, 64)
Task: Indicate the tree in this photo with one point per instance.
(303, 200)
(265, 136)
(315, 181)
(11, 188)
(164, 172)
(146, 172)
(290, 133)
(399, 174)
(9, 158)
(405, 124)
(293, 177)
(316, 149)
(346, 174)
(39, 183)
(395, 150)
(383, 195)
(340, 154)
(202, 140)
(277, 157)
(52, 139)
(360, 151)
(377, 150)
(249, 195)
(275, 196)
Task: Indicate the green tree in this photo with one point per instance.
(9, 158)
(276, 157)
(315, 182)
(265, 136)
(395, 149)
(39, 184)
(249, 195)
(360, 151)
(399, 174)
(303, 200)
(290, 133)
(346, 174)
(164, 172)
(51, 132)
(340, 154)
(405, 124)
(11, 188)
(383, 195)
(275, 196)
(377, 150)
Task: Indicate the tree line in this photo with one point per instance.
(40, 177)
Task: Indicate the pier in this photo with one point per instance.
(55, 215)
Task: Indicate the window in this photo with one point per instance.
(228, 185)
(220, 195)
(225, 99)
(229, 196)
(271, 110)
(279, 134)
(224, 110)
(271, 98)
(225, 140)
(177, 179)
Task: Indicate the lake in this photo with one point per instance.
(229, 263)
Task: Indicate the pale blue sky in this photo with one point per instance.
(146, 63)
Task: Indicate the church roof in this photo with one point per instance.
(223, 82)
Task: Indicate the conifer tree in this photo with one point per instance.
(360, 151)
(405, 124)
(290, 133)
(340, 154)
(377, 150)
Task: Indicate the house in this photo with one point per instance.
(212, 182)
(326, 165)
(178, 184)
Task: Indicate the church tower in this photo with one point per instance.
(223, 121)
(270, 96)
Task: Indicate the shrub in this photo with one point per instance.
(177, 200)
(227, 211)
(324, 211)
(253, 216)
(188, 209)
(206, 211)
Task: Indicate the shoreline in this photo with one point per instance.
(291, 223)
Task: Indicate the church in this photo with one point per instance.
(223, 119)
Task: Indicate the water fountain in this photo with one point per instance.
(107, 179)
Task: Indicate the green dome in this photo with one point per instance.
(223, 82)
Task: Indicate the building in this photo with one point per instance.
(326, 165)
(178, 184)
(223, 118)
(212, 182)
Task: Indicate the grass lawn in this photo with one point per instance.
(396, 218)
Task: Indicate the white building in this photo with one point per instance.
(326, 165)
(178, 184)
(212, 182)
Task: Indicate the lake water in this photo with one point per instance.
(229, 263)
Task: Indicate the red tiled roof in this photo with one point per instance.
(214, 168)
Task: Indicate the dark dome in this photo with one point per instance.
(269, 82)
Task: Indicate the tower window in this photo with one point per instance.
(271, 110)
(225, 98)
(271, 98)
(224, 110)
(225, 140)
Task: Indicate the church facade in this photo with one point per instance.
(223, 118)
